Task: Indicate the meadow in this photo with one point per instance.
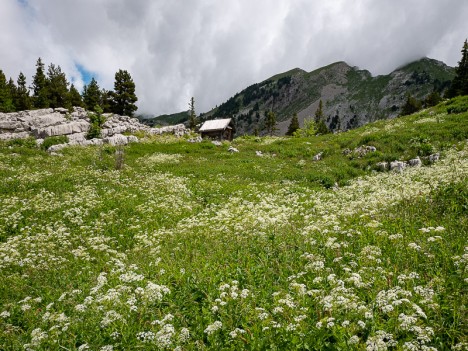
(186, 246)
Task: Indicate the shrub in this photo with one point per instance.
(97, 120)
(54, 140)
(28, 142)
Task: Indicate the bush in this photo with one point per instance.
(97, 120)
(457, 105)
(28, 142)
(54, 140)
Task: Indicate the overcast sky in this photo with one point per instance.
(211, 49)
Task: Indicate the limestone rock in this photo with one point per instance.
(317, 157)
(232, 149)
(415, 162)
(397, 166)
(117, 139)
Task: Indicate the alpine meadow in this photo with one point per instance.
(186, 246)
(266, 175)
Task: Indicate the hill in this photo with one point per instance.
(352, 97)
(171, 244)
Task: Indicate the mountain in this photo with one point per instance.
(351, 97)
(164, 120)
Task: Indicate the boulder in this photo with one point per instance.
(397, 166)
(55, 148)
(217, 143)
(317, 157)
(117, 139)
(415, 162)
(259, 153)
(382, 166)
(132, 139)
(434, 157)
(232, 149)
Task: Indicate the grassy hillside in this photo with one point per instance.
(190, 247)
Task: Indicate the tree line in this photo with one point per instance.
(51, 89)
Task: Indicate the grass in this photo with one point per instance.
(190, 247)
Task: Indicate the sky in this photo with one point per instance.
(211, 49)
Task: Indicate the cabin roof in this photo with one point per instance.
(215, 124)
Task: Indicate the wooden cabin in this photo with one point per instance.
(218, 129)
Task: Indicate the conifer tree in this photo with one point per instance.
(270, 123)
(74, 97)
(411, 105)
(57, 87)
(293, 126)
(6, 99)
(107, 100)
(39, 86)
(124, 94)
(460, 82)
(192, 116)
(320, 121)
(22, 99)
(92, 95)
(319, 112)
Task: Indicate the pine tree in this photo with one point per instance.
(460, 82)
(319, 112)
(124, 94)
(22, 99)
(74, 97)
(270, 123)
(192, 116)
(39, 86)
(92, 95)
(319, 120)
(57, 87)
(107, 101)
(6, 99)
(293, 126)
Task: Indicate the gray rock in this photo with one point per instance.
(217, 143)
(11, 136)
(132, 139)
(61, 110)
(397, 166)
(259, 153)
(415, 162)
(55, 148)
(382, 166)
(117, 139)
(232, 149)
(317, 157)
(434, 157)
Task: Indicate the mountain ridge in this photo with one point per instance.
(351, 96)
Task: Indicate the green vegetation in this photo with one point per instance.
(54, 140)
(97, 120)
(191, 247)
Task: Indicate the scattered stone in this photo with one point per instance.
(346, 151)
(364, 150)
(382, 166)
(198, 139)
(415, 162)
(232, 149)
(217, 143)
(397, 166)
(55, 148)
(132, 139)
(434, 157)
(317, 157)
(259, 153)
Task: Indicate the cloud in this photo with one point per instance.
(212, 49)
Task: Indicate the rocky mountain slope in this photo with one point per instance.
(351, 97)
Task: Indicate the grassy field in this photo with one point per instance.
(186, 246)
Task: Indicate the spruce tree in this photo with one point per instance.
(22, 99)
(319, 112)
(6, 99)
(270, 122)
(320, 121)
(74, 97)
(57, 87)
(192, 116)
(92, 95)
(460, 82)
(293, 126)
(124, 94)
(39, 86)
(107, 101)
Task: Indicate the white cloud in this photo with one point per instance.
(211, 49)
